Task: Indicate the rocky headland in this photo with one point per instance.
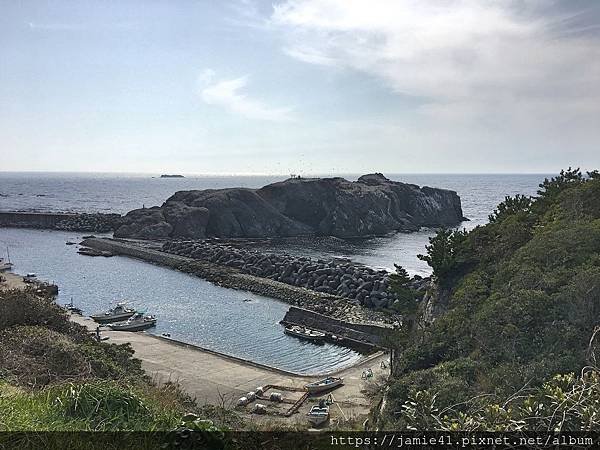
(372, 205)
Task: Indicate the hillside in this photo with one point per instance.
(54, 376)
(517, 303)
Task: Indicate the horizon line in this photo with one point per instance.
(264, 174)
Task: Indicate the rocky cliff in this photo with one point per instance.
(372, 205)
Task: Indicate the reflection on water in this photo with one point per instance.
(188, 308)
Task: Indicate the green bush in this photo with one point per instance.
(90, 406)
(524, 301)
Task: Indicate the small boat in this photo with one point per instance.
(73, 309)
(324, 385)
(116, 314)
(30, 275)
(6, 265)
(305, 333)
(93, 252)
(318, 414)
(137, 322)
(70, 243)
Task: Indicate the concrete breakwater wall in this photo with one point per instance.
(99, 223)
(368, 287)
(359, 334)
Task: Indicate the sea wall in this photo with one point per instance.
(229, 277)
(362, 284)
(99, 223)
(365, 334)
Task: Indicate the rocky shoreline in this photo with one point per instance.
(359, 284)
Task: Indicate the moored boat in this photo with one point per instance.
(137, 322)
(73, 309)
(87, 251)
(116, 314)
(318, 414)
(305, 333)
(324, 384)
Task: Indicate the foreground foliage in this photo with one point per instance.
(524, 300)
(55, 377)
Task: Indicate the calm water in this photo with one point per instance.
(191, 309)
(187, 307)
(121, 193)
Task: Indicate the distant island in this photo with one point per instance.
(171, 176)
(372, 205)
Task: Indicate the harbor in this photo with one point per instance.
(216, 378)
(188, 308)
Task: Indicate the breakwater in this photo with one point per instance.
(97, 222)
(365, 286)
(230, 277)
(354, 334)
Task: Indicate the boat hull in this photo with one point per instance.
(316, 421)
(307, 337)
(318, 416)
(314, 388)
(132, 327)
(102, 318)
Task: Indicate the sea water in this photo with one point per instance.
(193, 310)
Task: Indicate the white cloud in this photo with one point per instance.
(466, 58)
(228, 94)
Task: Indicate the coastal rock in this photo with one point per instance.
(372, 205)
(327, 277)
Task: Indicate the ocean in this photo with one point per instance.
(110, 193)
(191, 309)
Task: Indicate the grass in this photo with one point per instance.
(99, 405)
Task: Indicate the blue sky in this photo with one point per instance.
(314, 86)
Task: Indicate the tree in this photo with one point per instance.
(443, 252)
(509, 207)
(406, 304)
(553, 186)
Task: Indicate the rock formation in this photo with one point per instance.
(372, 205)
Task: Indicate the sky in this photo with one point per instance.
(299, 86)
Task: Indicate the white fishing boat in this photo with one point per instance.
(324, 385)
(137, 322)
(305, 333)
(116, 314)
(6, 265)
(318, 414)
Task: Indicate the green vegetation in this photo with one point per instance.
(522, 302)
(54, 376)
